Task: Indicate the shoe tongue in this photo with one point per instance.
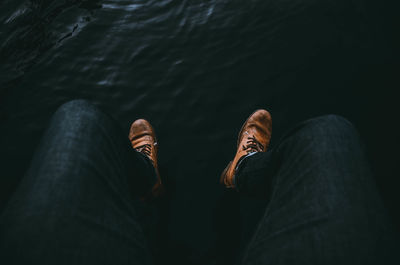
(141, 146)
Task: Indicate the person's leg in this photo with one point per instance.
(323, 207)
(78, 203)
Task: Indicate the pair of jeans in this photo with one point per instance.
(323, 204)
(78, 202)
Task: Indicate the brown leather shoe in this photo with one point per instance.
(143, 139)
(254, 137)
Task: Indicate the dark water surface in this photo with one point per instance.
(196, 70)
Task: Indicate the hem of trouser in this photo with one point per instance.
(235, 180)
(152, 166)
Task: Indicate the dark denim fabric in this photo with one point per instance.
(323, 206)
(78, 203)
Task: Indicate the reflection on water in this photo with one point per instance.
(195, 69)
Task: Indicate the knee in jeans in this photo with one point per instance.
(323, 132)
(330, 125)
(332, 119)
(77, 111)
(75, 106)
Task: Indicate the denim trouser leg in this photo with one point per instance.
(77, 203)
(324, 207)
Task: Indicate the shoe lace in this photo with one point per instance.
(144, 149)
(253, 145)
